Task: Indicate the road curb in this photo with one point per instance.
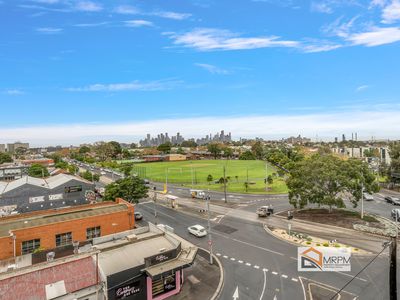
(267, 230)
(221, 279)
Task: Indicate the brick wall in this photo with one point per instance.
(123, 220)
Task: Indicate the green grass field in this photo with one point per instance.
(194, 174)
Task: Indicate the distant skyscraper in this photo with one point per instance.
(343, 138)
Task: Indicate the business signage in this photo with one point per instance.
(56, 197)
(72, 189)
(127, 290)
(169, 283)
(329, 259)
(160, 258)
(36, 199)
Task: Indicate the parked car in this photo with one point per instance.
(395, 201)
(368, 197)
(138, 216)
(395, 212)
(197, 230)
(389, 199)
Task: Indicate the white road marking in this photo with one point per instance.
(295, 279)
(225, 256)
(218, 254)
(236, 294)
(248, 264)
(265, 284)
(256, 267)
(265, 270)
(284, 276)
(275, 273)
(240, 261)
(233, 259)
(248, 244)
(349, 275)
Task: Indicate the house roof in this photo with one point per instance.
(47, 183)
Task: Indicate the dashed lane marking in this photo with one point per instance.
(295, 279)
(256, 267)
(248, 264)
(275, 273)
(240, 261)
(218, 254)
(225, 256)
(233, 259)
(284, 276)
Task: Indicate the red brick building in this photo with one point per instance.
(23, 234)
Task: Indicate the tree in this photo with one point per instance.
(84, 150)
(116, 149)
(72, 169)
(126, 154)
(5, 157)
(258, 150)
(90, 176)
(237, 178)
(38, 171)
(247, 155)
(61, 165)
(180, 151)
(394, 150)
(214, 149)
(270, 180)
(189, 144)
(228, 152)
(130, 188)
(126, 169)
(20, 152)
(209, 178)
(246, 186)
(165, 148)
(324, 180)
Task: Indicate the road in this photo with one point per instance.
(263, 267)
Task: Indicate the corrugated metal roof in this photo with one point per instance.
(48, 183)
(132, 255)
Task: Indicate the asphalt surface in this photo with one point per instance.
(263, 267)
(260, 266)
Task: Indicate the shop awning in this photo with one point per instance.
(184, 259)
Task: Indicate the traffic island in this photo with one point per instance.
(202, 281)
(301, 239)
(314, 290)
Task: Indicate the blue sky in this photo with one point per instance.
(119, 69)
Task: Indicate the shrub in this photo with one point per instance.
(308, 243)
(318, 244)
(337, 245)
(325, 244)
(309, 239)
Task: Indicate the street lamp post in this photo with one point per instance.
(209, 229)
(362, 200)
(155, 206)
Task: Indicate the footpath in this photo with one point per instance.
(202, 281)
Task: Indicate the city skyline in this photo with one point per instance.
(107, 67)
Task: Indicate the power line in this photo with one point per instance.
(338, 292)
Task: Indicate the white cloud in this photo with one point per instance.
(171, 15)
(13, 92)
(320, 47)
(267, 126)
(207, 39)
(91, 24)
(126, 10)
(391, 13)
(88, 6)
(321, 7)
(49, 30)
(377, 3)
(376, 36)
(212, 69)
(129, 86)
(362, 88)
(138, 23)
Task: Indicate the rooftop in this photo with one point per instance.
(46, 183)
(56, 216)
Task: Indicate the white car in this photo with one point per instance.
(197, 230)
(368, 197)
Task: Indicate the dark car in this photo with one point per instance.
(138, 216)
(389, 199)
(395, 201)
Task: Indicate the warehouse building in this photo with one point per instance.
(31, 194)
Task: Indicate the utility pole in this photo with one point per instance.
(266, 176)
(226, 200)
(362, 200)
(155, 206)
(392, 271)
(209, 229)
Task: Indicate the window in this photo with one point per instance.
(30, 246)
(72, 189)
(63, 239)
(93, 232)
